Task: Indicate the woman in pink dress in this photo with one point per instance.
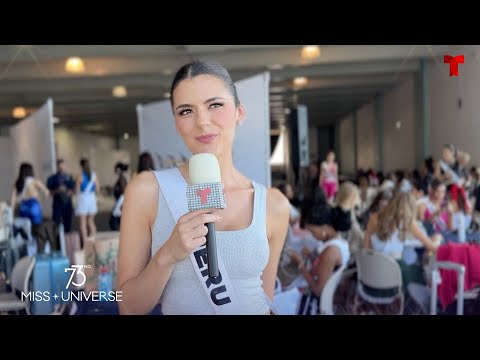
(329, 176)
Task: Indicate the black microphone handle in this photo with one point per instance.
(212, 251)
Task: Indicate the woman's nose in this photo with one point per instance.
(203, 118)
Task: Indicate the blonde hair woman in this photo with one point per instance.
(348, 197)
(395, 232)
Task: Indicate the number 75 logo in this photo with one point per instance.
(77, 269)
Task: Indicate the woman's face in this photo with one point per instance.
(447, 156)
(206, 115)
(363, 182)
(383, 204)
(331, 156)
(439, 193)
(322, 232)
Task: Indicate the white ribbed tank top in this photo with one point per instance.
(245, 254)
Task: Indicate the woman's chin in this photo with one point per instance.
(207, 148)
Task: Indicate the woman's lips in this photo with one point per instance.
(207, 138)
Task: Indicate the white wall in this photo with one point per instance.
(100, 150)
(399, 144)
(32, 141)
(7, 169)
(347, 158)
(449, 123)
(366, 138)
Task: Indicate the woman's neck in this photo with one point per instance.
(230, 175)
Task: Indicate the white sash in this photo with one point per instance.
(447, 169)
(219, 291)
(117, 209)
(90, 184)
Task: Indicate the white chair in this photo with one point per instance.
(425, 296)
(380, 272)
(21, 274)
(328, 292)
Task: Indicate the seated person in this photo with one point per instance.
(459, 215)
(394, 232)
(348, 197)
(332, 251)
(431, 210)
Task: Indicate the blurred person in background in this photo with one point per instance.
(86, 188)
(118, 191)
(328, 180)
(61, 184)
(395, 232)
(145, 162)
(26, 192)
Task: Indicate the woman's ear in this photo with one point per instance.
(240, 115)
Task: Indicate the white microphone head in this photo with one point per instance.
(204, 168)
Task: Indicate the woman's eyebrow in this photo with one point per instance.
(205, 102)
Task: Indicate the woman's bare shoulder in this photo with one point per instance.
(277, 202)
(142, 185)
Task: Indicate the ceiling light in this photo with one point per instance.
(300, 81)
(19, 112)
(310, 52)
(276, 66)
(119, 91)
(166, 95)
(126, 136)
(74, 65)
(398, 125)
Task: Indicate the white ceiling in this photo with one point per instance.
(343, 78)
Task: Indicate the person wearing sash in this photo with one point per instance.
(86, 187)
(328, 180)
(161, 255)
(26, 191)
(450, 167)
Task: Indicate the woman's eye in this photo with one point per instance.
(185, 112)
(215, 105)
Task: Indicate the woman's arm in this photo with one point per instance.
(13, 198)
(40, 185)
(370, 230)
(427, 242)
(278, 213)
(78, 182)
(450, 212)
(97, 185)
(141, 277)
(421, 212)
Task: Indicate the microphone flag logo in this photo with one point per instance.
(204, 195)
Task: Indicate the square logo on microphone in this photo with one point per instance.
(206, 196)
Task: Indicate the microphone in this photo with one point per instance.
(206, 192)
